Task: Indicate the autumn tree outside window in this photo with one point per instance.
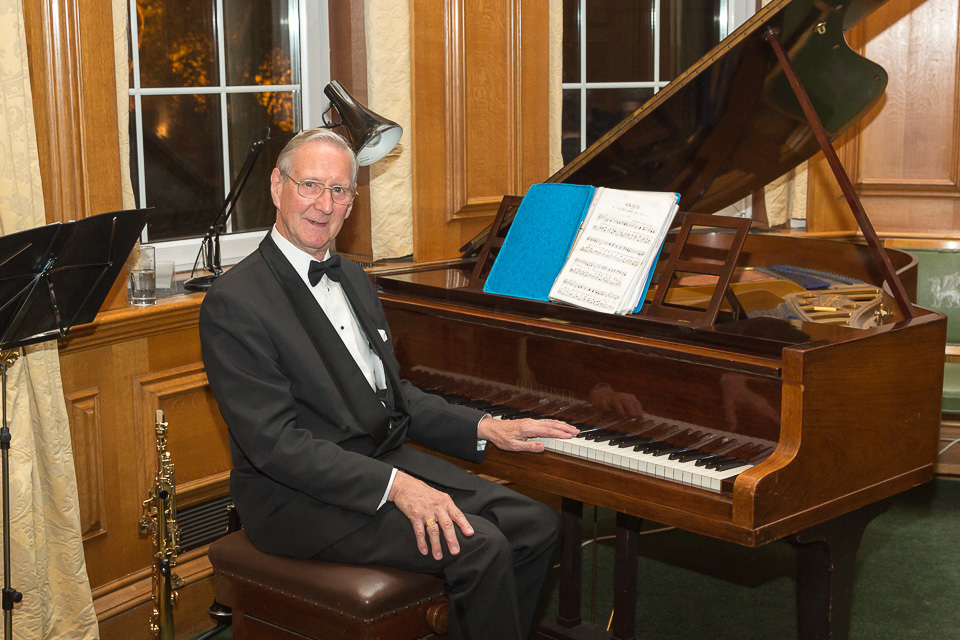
(205, 76)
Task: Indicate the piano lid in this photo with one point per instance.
(731, 124)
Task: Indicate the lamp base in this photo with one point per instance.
(200, 283)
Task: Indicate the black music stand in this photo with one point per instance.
(52, 278)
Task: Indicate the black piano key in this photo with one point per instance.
(710, 460)
(668, 450)
(652, 447)
(586, 433)
(722, 461)
(509, 414)
(593, 434)
(733, 464)
(689, 455)
(604, 437)
(629, 441)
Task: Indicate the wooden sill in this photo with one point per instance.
(134, 322)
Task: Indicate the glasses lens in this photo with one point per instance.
(341, 195)
(314, 190)
(309, 189)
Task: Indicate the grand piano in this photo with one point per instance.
(761, 420)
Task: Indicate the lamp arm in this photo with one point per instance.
(210, 245)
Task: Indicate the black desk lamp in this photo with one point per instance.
(371, 136)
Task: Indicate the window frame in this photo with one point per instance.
(311, 41)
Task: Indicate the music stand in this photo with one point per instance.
(52, 278)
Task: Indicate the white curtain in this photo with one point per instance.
(122, 67)
(556, 87)
(47, 551)
(387, 29)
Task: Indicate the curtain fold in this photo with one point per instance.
(46, 550)
(387, 28)
(556, 84)
(122, 66)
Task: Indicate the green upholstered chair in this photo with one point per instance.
(938, 287)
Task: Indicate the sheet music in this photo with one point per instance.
(609, 265)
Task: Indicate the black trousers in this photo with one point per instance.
(495, 582)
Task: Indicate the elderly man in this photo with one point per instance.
(300, 358)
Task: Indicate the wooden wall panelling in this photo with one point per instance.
(196, 436)
(905, 155)
(116, 372)
(83, 409)
(71, 57)
(480, 114)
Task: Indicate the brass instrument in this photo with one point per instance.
(160, 519)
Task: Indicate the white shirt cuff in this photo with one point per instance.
(383, 500)
(482, 444)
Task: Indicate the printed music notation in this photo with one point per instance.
(609, 264)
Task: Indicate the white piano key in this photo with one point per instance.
(626, 458)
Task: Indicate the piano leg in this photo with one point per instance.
(569, 624)
(826, 555)
(625, 578)
(568, 614)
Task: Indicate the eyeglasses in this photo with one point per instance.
(312, 190)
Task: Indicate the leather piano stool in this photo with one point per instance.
(279, 598)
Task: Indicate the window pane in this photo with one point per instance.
(571, 40)
(607, 107)
(258, 42)
(250, 112)
(688, 29)
(570, 142)
(619, 40)
(183, 164)
(176, 40)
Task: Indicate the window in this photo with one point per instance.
(618, 53)
(206, 76)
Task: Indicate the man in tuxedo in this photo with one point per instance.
(300, 358)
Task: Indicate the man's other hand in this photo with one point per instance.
(514, 435)
(431, 513)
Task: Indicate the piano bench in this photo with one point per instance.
(280, 598)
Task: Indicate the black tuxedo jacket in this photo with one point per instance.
(312, 445)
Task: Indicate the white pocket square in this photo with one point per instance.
(383, 334)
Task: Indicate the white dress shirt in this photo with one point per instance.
(329, 295)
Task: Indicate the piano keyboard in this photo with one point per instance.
(661, 447)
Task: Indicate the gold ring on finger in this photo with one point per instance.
(431, 521)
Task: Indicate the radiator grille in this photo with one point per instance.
(202, 523)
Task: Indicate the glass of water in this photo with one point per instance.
(142, 285)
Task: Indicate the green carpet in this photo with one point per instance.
(696, 588)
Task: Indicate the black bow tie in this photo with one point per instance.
(331, 267)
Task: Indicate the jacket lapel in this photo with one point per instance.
(350, 288)
(361, 400)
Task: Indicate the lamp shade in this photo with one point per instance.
(372, 136)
